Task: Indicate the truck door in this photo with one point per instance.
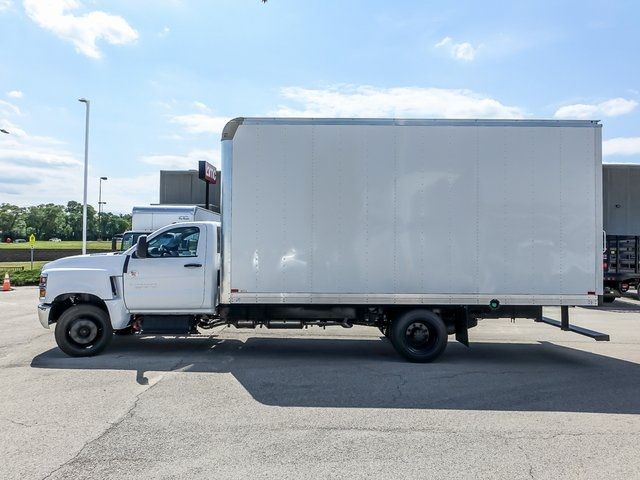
(172, 277)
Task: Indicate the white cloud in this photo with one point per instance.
(201, 106)
(200, 123)
(5, 5)
(188, 161)
(32, 156)
(368, 101)
(15, 94)
(621, 146)
(82, 30)
(18, 133)
(122, 193)
(459, 51)
(171, 136)
(22, 149)
(165, 105)
(164, 32)
(35, 169)
(608, 108)
(7, 108)
(38, 169)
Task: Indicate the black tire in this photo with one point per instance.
(83, 331)
(419, 335)
(608, 298)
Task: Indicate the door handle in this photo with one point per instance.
(192, 265)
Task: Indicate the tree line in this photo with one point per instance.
(48, 220)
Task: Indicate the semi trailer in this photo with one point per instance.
(416, 227)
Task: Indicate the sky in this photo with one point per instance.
(164, 76)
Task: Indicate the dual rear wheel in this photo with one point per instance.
(418, 335)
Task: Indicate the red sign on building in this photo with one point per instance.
(207, 172)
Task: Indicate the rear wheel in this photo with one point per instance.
(419, 335)
(83, 330)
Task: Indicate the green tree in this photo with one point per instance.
(74, 221)
(10, 220)
(45, 220)
(113, 224)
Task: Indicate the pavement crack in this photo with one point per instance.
(528, 460)
(16, 422)
(112, 425)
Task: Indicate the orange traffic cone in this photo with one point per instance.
(6, 285)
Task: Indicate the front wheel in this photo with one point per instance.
(83, 330)
(419, 335)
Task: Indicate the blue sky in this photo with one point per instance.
(163, 76)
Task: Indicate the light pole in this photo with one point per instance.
(100, 204)
(4, 131)
(86, 166)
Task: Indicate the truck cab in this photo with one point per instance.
(167, 283)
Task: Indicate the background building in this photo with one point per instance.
(621, 199)
(183, 187)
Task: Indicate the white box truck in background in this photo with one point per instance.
(416, 227)
(147, 219)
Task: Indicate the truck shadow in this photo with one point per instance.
(367, 373)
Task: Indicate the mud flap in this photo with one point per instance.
(462, 327)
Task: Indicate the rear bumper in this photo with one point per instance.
(43, 314)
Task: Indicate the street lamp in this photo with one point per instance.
(100, 204)
(86, 166)
(4, 131)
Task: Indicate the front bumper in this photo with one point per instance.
(43, 314)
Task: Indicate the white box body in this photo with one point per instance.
(387, 211)
(152, 217)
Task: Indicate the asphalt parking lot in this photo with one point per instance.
(525, 401)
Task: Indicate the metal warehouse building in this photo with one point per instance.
(183, 187)
(621, 199)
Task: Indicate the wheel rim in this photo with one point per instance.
(420, 337)
(84, 332)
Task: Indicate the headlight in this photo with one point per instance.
(43, 286)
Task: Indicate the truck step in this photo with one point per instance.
(167, 324)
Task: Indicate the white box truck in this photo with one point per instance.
(416, 227)
(147, 219)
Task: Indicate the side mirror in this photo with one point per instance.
(141, 247)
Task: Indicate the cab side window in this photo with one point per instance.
(177, 242)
